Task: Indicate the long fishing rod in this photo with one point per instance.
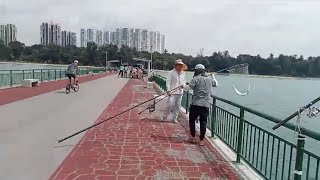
(152, 107)
(296, 113)
(94, 125)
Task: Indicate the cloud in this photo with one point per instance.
(240, 26)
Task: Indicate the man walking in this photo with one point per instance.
(201, 84)
(121, 71)
(176, 78)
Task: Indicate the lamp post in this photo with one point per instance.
(151, 57)
(106, 60)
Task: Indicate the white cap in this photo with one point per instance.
(76, 61)
(200, 66)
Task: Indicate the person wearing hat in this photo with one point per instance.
(72, 71)
(201, 84)
(175, 78)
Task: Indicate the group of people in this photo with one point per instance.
(201, 84)
(130, 72)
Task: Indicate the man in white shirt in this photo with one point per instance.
(175, 78)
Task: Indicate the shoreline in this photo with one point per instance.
(41, 64)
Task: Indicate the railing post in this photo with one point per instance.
(299, 157)
(41, 79)
(60, 74)
(240, 135)
(213, 116)
(55, 74)
(187, 102)
(33, 74)
(11, 78)
(49, 75)
(22, 74)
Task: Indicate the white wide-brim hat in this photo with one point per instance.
(179, 61)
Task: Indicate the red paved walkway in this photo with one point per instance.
(10, 95)
(134, 146)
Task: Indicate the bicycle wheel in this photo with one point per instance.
(67, 89)
(76, 88)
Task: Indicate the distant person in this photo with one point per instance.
(121, 71)
(134, 72)
(129, 71)
(126, 68)
(201, 84)
(175, 78)
(72, 72)
(139, 72)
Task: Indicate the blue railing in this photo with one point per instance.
(271, 156)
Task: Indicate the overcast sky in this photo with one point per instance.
(240, 26)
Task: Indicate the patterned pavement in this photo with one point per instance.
(134, 146)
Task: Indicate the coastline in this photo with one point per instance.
(41, 64)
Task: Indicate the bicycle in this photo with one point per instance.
(74, 87)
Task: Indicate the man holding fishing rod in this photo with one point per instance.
(175, 79)
(201, 84)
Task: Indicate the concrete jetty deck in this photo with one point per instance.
(130, 146)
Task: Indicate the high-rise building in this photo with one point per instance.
(83, 38)
(73, 39)
(137, 39)
(153, 41)
(158, 42)
(63, 38)
(99, 37)
(50, 34)
(106, 38)
(113, 38)
(90, 35)
(125, 38)
(8, 33)
(131, 38)
(118, 37)
(162, 44)
(68, 38)
(145, 41)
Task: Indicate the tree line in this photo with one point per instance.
(283, 65)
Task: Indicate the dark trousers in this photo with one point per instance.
(196, 111)
(120, 73)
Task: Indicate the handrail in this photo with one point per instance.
(263, 150)
(307, 132)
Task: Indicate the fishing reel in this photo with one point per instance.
(152, 107)
(313, 112)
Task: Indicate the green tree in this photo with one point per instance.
(17, 49)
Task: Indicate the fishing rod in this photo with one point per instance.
(94, 125)
(296, 113)
(152, 107)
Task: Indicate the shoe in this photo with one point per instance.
(164, 118)
(193, 140)
(175, 120)
(201, 143)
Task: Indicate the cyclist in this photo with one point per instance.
(72, 72)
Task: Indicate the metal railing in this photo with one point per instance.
(15, 77)
(270, 155)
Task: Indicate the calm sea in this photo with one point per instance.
(27, 66)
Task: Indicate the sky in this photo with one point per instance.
(240, 26)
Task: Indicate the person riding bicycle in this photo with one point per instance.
(72, 72)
